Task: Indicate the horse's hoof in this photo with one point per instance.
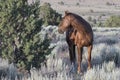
(88, 68)
(80, 73)
(72, 70)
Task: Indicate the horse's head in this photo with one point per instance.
(65, 23)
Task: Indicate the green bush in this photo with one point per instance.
(48, 15)
(99, 24)
(113, 21)
(108, 3)
(20, 38)
(77, 4)
(61, 3)
(89, 18)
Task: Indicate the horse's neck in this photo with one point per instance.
(78, 26)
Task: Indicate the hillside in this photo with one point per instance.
(97, 10)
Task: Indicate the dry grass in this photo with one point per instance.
(105, 60)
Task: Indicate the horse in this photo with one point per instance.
(78, 33)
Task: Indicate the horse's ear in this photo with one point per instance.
(66, 13)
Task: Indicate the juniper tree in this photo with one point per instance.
(48, 15)
(20, 38)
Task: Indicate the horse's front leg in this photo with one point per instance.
(70, 52)
(89, 56)
(72, 58)
(80, 50)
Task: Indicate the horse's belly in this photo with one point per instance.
(86, 41)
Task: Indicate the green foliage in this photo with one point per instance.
(77, 4)
(61, 3)
(89, 18)
(108, 3)
(20, 40)
(113, 21)
(48, 15)
(100, 24)
(91, 10)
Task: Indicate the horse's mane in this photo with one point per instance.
(80, 20)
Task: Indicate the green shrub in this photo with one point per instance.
(108, 4)
(61, 3)
(99, 24)
(113, 21)
(48, 15)
(20, 38)
(91, 10)
(77, 4)
(89, 18)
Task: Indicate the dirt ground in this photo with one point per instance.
(86, 6)
(99, 10)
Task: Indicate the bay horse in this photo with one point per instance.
(78, 33)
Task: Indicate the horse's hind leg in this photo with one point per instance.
(89, 55)
(73, 54)
(80, 50)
